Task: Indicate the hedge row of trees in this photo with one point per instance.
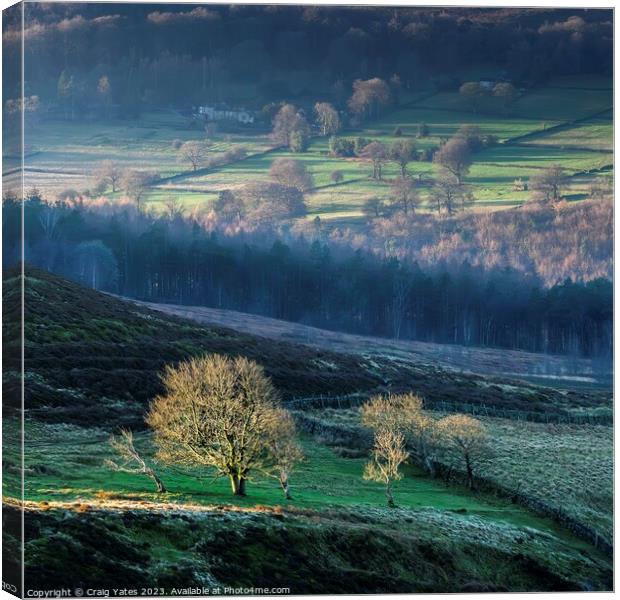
(404, 431)
(174, 259)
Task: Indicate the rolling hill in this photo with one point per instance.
(92, 364)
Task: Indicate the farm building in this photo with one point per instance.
(224, 113)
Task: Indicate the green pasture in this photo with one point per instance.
(444, 114)
(596, 134)
(563, 102)
(66, 155)
(573, 474)
(66, 463)
(545, 105)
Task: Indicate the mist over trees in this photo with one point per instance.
(488, 279)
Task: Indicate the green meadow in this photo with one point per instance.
(67, 464)
(563, 122)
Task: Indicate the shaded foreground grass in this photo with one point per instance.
(66, 464)
(334, 551)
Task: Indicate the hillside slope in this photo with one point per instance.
(561, 370)
(94, 358)
(92, 363)
(334, 551)
(105, 355)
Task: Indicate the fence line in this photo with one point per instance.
(356, 399)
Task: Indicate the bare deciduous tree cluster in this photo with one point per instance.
(223, 414)
(402, 428)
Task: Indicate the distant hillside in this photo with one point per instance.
(562, 371)
(93, 358)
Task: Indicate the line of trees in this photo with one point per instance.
(223, 415)
(308, 279)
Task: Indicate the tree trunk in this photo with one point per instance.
(430, 466)
(285, 488)
(470, 472)
(388, 494)
(161, 488)
(234, 484)
(237, 483)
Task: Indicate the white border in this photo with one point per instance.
(455, 3)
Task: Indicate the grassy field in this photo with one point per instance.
(567, 467)
(66, 463)
(595, 134)
(66, 475)
(92, 365)
(65, 155)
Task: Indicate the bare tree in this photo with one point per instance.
(405, 413)
(268, 203)
(130, 459)
(327, 118)
(392, 411)
(455, 156)
(217, 412)
(388, 454)
(507, 92)
(402, 152)
(109, 174)
(404, 196)
(193, 152)
(174, 209)
(229, 206)
(289, 120)
(472, 134)
(104, 91)
(376, 152)
(466, 438)
(601, 187)
(284, 450)
(448, 194)
(549, 185)
(472, 91)
(336, 176)
(374, 208)
(287, 171)
(136, 183)
(369, 96)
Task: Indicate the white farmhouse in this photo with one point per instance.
(223, 113)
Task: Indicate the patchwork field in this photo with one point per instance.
(564, 122)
